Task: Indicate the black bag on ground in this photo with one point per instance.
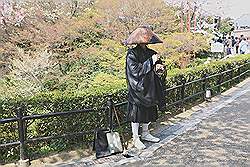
(107, 142)
(101, 143)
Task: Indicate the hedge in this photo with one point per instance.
(95, 97)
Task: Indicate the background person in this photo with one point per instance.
(237, 44)
(243, 46)
(229, 46)
(220, 40)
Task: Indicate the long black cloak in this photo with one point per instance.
(145, 90)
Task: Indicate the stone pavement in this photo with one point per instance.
(221, 140)
(211, 134)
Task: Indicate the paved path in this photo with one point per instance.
(210, 134)
(221, 140)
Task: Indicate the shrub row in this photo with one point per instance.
(94, 97)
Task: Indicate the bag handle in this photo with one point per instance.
(110, 113)
(119, 124)
(111, 109)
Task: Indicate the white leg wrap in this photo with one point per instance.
(145, 127)
(135, 129)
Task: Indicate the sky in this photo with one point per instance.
(229, 8)
(225, 8)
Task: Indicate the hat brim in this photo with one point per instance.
(142, 35)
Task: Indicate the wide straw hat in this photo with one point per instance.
(142, 35)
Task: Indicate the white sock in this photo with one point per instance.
(145, 127)
(135, 129)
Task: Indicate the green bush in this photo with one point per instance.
(93, 97)
(190, 74)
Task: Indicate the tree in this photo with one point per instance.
(226, 25)
(122, 17)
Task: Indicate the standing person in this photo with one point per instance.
(237, 44)
(220, 40)
(145, 90)
(243, 46)
(229, 46)
(241, 37)
(224, 42)
(233, 45)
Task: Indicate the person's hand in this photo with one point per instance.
(159, 67)
(155, 57)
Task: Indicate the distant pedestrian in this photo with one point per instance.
(220, 40)
(243, 46)
(229, 46)
(233, 45)
(233, 41)
(237, 44)
(241, 37)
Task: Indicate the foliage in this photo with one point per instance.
(226, 26)
(197, 62)
(179, 49)
(80, 39)
(64, 55)
(124, 16)
(94, 97)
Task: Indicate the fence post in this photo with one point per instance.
(205, 86)
(231, 77)
(238, 78)
(248, 67)
(21, 131)
(219, 83)
(110, 112)
(183, 82)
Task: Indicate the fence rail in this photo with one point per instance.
(22, 119)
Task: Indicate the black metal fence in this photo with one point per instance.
(216, 83)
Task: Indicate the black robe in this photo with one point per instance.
(145, 90)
